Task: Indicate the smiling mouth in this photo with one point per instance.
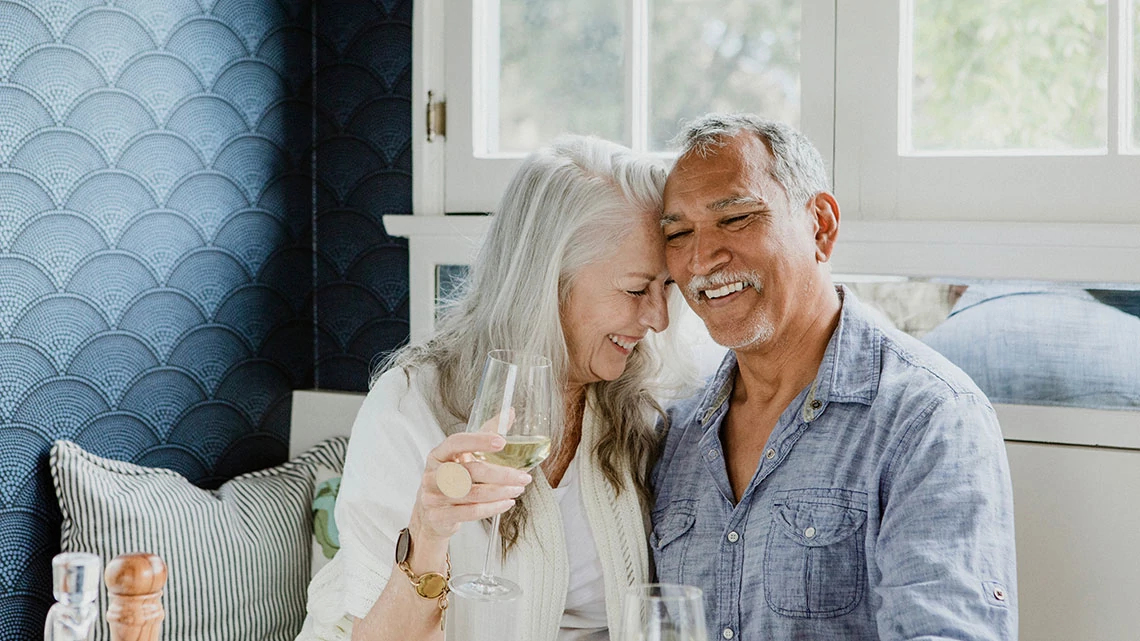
(623, 343)
(725, 290)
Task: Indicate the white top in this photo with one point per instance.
(584, 618)
(390, 440)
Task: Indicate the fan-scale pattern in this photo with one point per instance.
(363, 137)
(157, 277)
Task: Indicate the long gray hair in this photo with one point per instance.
(568, 205)
(798, 166)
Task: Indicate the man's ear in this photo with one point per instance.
(825, 212)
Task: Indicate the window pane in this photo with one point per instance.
(1008, 75)
(560, 71)
(711, 55)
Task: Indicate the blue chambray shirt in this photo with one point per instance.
(881, 507)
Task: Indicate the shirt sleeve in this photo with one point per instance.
(387, 451)
(945, 549)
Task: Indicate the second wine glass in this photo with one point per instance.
(515, 397)
(663, 612)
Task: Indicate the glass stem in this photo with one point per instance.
(491, 545)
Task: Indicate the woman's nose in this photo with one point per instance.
(655, 313)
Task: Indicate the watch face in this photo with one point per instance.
(403, 545)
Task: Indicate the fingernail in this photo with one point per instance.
(517, 491)
(498, 441)
(525, 478)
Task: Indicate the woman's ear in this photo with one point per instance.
(825, 211)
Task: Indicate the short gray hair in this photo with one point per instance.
(798, 167)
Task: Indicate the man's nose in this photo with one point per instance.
(708, 254)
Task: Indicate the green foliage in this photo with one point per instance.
(987, 74)
(1009, 74)
(710, 55)
(563, 65)
(562, 71)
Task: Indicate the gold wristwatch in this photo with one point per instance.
(429, 585)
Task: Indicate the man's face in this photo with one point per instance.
(744, 257)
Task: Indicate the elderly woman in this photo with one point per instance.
(572, 268)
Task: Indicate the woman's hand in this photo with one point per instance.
(436, 517)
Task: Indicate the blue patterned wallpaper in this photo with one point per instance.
(364, 171)
(171, 267)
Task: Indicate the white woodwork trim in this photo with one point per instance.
(817, 77)
(319, 415)
(1074, 253)
(432, 241)
(428, 73)
(1070, 425)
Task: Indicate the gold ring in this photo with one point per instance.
(453, 480)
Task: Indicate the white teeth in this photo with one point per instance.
(725, 290)
(620, 343)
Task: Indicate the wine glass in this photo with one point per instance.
(514, 399)
(663, 612)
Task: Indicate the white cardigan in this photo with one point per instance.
(390, 441)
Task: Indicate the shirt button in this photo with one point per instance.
(727, 633)
(711, 455)
(810, 532)
(816, 404)
(999, 594)
(770, 454)
(733, 537)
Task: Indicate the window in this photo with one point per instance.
(967, 138)
(677, 59)
(520, 72)
(1011, 111)
(1016, 77)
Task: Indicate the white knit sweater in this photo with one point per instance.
(390, 441)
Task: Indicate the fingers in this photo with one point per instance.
(480, 493)
(441, 516)
(494, 488)
(482, 472)
(454, 446)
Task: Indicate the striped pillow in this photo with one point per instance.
(237, 557)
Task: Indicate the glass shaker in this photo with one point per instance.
(75, 584)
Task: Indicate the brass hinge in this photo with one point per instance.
(436, 118)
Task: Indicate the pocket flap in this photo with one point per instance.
(673, 520)
(816, 524)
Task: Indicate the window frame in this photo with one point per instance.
(878, 183)
(458, 180)
(923, 238)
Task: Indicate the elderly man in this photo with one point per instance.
(836, 479)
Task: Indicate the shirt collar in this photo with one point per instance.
(848, 373)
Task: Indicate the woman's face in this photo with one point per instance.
(613, 303)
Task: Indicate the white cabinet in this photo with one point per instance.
(1077, 511)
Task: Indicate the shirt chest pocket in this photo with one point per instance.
(814, 560)
(668, 541)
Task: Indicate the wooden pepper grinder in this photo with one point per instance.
(134, 590)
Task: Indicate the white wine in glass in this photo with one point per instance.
(520, 452)
(663, 612)
(514, 399)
